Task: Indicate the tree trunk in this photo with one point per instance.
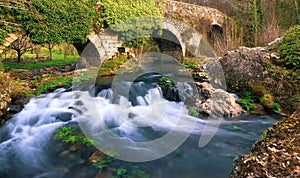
(50, 53)
(50, 47)
(19, 56)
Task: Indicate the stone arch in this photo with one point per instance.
(215, 34)
(169, 27)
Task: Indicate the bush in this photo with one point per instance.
(166, 82)
(9, 90)
(247, 101)
(276, 106)
(289, 48)
(267, 101)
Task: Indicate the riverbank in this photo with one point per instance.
(275, 154)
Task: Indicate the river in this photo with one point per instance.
(27, 147)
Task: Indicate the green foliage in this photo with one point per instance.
(7, 19)
(193, 112)
(267, 101)
(58, 82)
(124, 15)
(120, 172)
(289, 48)
(166, 82)
(55, 21)
(276, 106)
(102, 163)
(112, 65)
(258, 19)
(247, 101)
(131, 172)
(190, 63)
(66, 135)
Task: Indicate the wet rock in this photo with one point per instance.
(199, 74)
(15, 108)
(220, 105)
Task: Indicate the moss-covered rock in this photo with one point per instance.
(267, 101)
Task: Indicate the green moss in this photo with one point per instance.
(263, 136)
(112, 65)
(54, 83)
(193, 112)
(258, 90)
(267, 101)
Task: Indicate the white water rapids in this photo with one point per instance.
(26, 140)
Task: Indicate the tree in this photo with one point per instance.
(51, 22)
(289, 48)
(132, 18)
(21, 46)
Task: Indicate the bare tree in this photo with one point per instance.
(21, 46)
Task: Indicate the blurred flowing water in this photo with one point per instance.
(27, 148)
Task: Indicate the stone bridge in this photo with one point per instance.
(184, 27)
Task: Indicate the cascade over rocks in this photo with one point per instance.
(205, 105)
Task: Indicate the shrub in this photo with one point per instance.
(276, 107)
(166, 82)
(19, 91)
(247, 101)
(246, 104)
(9, 90)
(289, 48)
(267, 101)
